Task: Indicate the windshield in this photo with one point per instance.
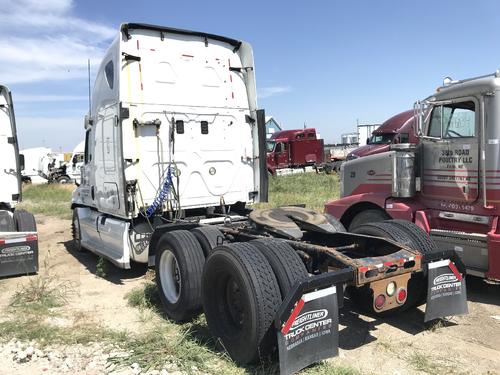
(381, 139)
(270, 146)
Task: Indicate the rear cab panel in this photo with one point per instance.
(190, 106)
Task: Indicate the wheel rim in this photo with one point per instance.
(234, 303)
(170, 276)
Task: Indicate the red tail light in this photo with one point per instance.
(379, 301)
(401, 295)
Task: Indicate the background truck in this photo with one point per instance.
(174, 153)
(18, 236)
(290, 151)
(56, 170)
(336, 154)
(400, 128)
(448, 184)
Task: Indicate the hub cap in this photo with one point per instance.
(170, 276)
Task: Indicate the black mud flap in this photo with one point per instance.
(307, 321)
(18, 253)
(446, 291)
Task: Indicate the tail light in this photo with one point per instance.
(401, 295)
(379, 301)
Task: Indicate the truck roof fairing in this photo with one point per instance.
(133, 26)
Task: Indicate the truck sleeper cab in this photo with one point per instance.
(294, 149)
(451, 177)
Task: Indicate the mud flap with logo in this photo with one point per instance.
(18, 253)
(310, 334)
(446, 291)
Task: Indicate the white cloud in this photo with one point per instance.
(43, 40)
(266, 92)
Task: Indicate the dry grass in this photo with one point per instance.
(51, 200)
(311, 189)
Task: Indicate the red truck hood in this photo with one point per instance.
(369, 150)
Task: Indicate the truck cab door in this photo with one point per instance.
(281, 155)
(450, 152)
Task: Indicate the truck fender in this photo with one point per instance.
(160, 230)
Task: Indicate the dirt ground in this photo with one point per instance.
(399, 345)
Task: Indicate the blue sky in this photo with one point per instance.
(325, 63)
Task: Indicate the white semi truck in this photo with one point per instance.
(18, 236)
(174, 153)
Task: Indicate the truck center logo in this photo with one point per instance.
(15, 249)
(446, 281)
(445, 278)
(309, 317)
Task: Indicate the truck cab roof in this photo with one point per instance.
(290, 135)
(467, 87)
(397, 123)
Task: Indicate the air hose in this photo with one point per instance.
(162, 195)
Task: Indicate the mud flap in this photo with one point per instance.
(307, 321)
(311, 332)
(446, 291)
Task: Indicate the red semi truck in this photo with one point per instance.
(289, 150)
(448, 184)
(398, 129)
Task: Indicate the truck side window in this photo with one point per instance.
(404, 138)
(88, 155)
(278, 148)
(109, 71)
(453, 121)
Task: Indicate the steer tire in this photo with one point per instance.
(179, 267)
(367, 216)
(425, 243)
(209, 238)
(285, 262)
(76, 231)
(241, 297)
(25, 221)
(7, 223)
(363, 296)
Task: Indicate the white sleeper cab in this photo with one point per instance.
(172, 134)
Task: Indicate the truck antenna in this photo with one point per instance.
(88, 71)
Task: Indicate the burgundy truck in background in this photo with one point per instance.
(398, 129)
(294, 150)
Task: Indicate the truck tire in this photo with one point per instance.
(367, 216)
(7, 223)
(363, 296)
(76, 231)
(63, 180)
(25, 221)
(328, 168)
(339, 227)
(241, 297)
(284, 261)
(425, 243)
(209, 238)
(179, 266)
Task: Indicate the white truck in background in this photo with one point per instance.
(18, 236)
(175, 148)
(32, 157)
(54, 169)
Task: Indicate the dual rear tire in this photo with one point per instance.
(239, 286)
